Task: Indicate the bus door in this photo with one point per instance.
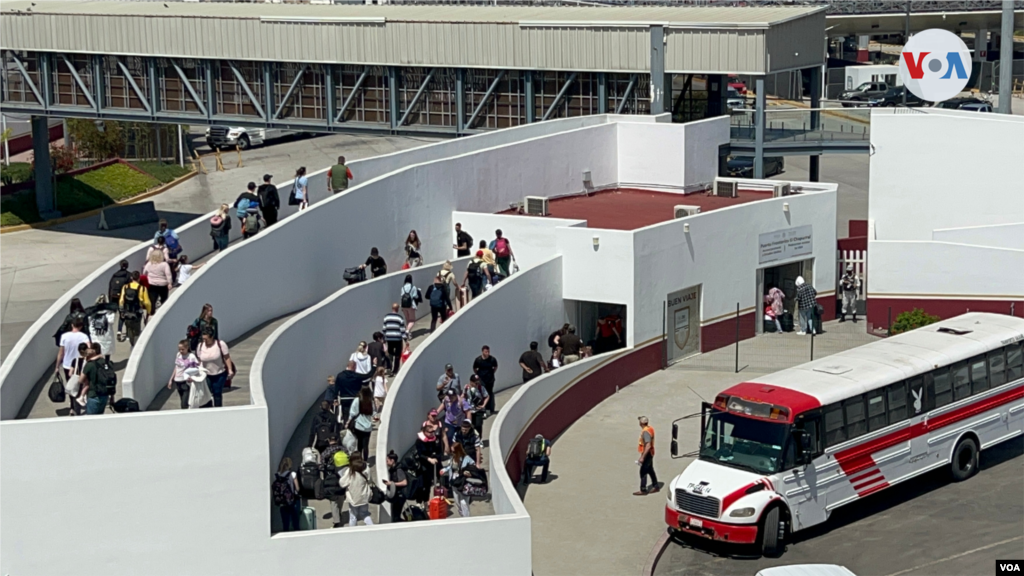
(802, 485)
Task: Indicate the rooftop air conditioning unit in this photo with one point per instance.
(536, 205)
(683, 210)
(780, 189)
(727, 188)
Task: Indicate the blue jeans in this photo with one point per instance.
(450, 430)
(290, 516)
(217, 387)
(96, 404)
(807, 320)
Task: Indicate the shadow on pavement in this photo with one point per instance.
(87, 226)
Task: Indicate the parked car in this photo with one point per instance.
(743, 166)
(734, 100)
(863, 93)
(737, 84)
(230, 136)
(894, 97)
(969, 103)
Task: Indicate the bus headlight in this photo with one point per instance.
(742, 513)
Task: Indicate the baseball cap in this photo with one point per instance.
(433, 412)
(267, 177)
(448, 367)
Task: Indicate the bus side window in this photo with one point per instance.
(834, 431)
(856, 423)
(942, 387)
(961, 381)
(1014, 361)
(876, 410)
(897, 396)
(997, 368)
(813, 427)
(979, 375)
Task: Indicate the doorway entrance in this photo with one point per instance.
(682, 318)
(783, 277)
(597, 323)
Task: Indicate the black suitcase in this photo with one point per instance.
(786, 319)
(353, 275)
(769, 326)
(126, 405)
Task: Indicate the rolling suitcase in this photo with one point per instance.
(307, 518)
(438, 508)
(786, 319)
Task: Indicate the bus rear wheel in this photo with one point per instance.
(965, 460)
(773, 533)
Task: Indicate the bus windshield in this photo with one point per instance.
(742, 442)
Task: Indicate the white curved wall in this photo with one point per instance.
(299, 262)
(34, 352)
(291, 367)
(527, 306)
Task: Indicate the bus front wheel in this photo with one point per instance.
(773, 533)
(965, 459)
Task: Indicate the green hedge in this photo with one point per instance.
(16, 173)
(79, 194)
(162, 171)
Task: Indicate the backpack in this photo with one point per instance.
(309, 476)
(436, 296)
(242, 208)
(283, 491)
(407, 297)
(501, 248)
(473, 269)
(125, 405)
(117, 281)
(536, 448)
(131, 301)
(251, 224)
(99, 325)
(106, 378)
(173, 246)
(353, 275)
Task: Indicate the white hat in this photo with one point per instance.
(196, 374)
(799, 280)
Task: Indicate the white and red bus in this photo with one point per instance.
(781, 452)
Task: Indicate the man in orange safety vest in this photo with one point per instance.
(645, 446)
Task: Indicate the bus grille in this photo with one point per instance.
(694, 504)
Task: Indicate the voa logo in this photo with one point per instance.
(935, 65)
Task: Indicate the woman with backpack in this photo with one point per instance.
(285, 491)
(195, 329)
(357, 490)
(220, 228)
(412, 250)
(360, 417)
(102, 318)
(457, 472)
(160, 278)
(75, 312)
(410, 295)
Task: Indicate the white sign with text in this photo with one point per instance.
(784, 244)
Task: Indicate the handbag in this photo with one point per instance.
(292, 200)
(376, 495)
(199, 394)
(227, 383)
(73, 384)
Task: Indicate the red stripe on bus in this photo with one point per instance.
(976, 408)
(865, 475)
(869, 482)
(873, 489)
(797, 402)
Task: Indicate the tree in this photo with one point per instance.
(909, 320)
(96, 143)
(62, 158)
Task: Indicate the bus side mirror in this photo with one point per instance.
(675, 431)
(675, 447)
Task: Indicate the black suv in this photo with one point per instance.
(861, 94)
(894, 97)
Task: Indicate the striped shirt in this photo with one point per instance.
(394, 328)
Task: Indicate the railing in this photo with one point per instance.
(835, 7)
(795, 125)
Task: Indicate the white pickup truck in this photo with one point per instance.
(230, 136)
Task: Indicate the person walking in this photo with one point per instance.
(216, 359)
(850, 285)
(470, 440)
(185, 270)
(775, 300)
(220, 228)
(376, 264)
(451, 286)
(360, 417)
(440, 302)
(100, 321)
(183, 361)
(323, 427)
(538, 453)
(117, 281)
(478, 398)
(807, 302)
(133, 304)
(412, 250)
(339, 175)
(270, 200)
(645, 447)
(160, 278)
(456, 411)
(76, 311)
(246, 203)
(449, 380)
(571, 345)
(503, 255)
(410, 296)
(485, 367)
(285, 491)
(364, 364)
(357, 490)
(532, 363)
(463, 242)
(203, 321)
(476, 275)
(347, 385)
(397, 484)
(159, 245)
(380, 391)
(165, 231)
(67, 351)
(300, 188)
(458, 467)
(377, 351)
(96, 378)
(395, 334)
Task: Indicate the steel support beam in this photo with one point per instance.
(814, 162)
(487, 96)
(559, 96)
(268, 89)
(332, 105)
(393, 96)
(131, 82)
(191, 90)
(245, 86)
(291, 90)
(531, 99)
(627, 94)
(28, 79)
(45, 201)
(460, 100)
(658, 70)
(80, 82)
(1006, 59)
(154, 95)
(352, 94)
(416, 97)
(46, 79)
(759, 128)
(602, 93)
(97, 83)
(211, 99)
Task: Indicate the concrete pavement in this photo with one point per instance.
(38, 266)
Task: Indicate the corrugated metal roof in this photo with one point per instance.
(673, 16)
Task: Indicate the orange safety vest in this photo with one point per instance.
(640, 443)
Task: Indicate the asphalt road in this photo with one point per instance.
(928, 526)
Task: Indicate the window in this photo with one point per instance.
(1014, 361)
(979, 375)
(876, 410)
(897, 396)
(942, 387)
(812, 428)
(856, 423)
(961, 382)
(916, 390)
(997, 368)
(834, 431)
